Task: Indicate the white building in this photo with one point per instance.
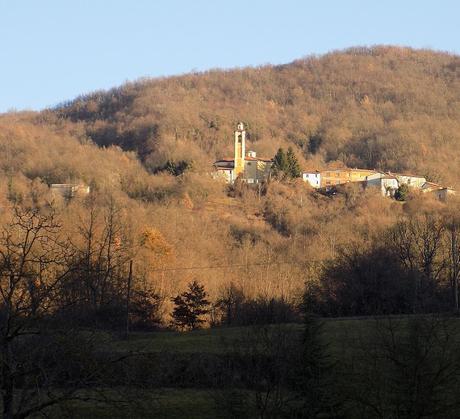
(386, 183)
(313, 178)
(413, 181)
(441, 192)
(69, 190)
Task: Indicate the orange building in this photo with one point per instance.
(335, 177)
(360, 175)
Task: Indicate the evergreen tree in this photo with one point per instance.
(293, 164)
(190, 306)
(315, 380)
(280, 164)
(402, 192)
(285, 165)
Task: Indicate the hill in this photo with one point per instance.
(383, 107)
(119, 259)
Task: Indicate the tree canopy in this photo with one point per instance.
(286, 165)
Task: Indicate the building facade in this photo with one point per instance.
(244, 165)
(385, 183)
(69, 190)
(313, 178)
(439, 191)
(334, 177)
(413, 181)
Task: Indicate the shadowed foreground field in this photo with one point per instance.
(222, 372)
(338, 333)
(159, 403)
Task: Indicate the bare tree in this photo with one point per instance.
(33, 264)
(45, 361)
(101, 257)
(405, 368)
(417, 243)
(452, 230)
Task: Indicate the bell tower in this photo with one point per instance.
(240, 149)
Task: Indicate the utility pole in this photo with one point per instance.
(455, 263)
(128, 297)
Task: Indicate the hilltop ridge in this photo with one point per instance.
(381, 107)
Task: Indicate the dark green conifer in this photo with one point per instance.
(293, 168)
(190, 307)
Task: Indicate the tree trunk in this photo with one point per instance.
(455, 267)
(8, 383)
(128, 296)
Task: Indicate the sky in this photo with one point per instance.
(54, 50)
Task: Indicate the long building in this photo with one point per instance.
(386, 182)
(333, 177)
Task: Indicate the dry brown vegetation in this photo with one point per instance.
(262, 255)
(384, 107)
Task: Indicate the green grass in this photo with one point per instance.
(167, 403)
(216, 340)
(346, 339)
(205, 341)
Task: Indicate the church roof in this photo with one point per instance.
(224, 164)
(247, 158)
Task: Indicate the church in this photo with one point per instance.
(245, 166)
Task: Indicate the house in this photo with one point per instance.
(360, 175)
(413, 181)
(439, 191)
(443, 193)
(336, 177)
(330, 178)
(313, 178)
(387, 184)
(224, 169)
(246, 166)
(430, 187)
(69, 190)
(333, 177)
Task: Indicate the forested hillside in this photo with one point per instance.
(384, 107)
(154, 242)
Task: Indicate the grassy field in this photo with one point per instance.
(206, 340)
(199, 352)
(166, 403)
(217, 340)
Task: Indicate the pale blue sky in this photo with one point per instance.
(54, 50)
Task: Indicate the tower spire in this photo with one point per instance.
(240, 149)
